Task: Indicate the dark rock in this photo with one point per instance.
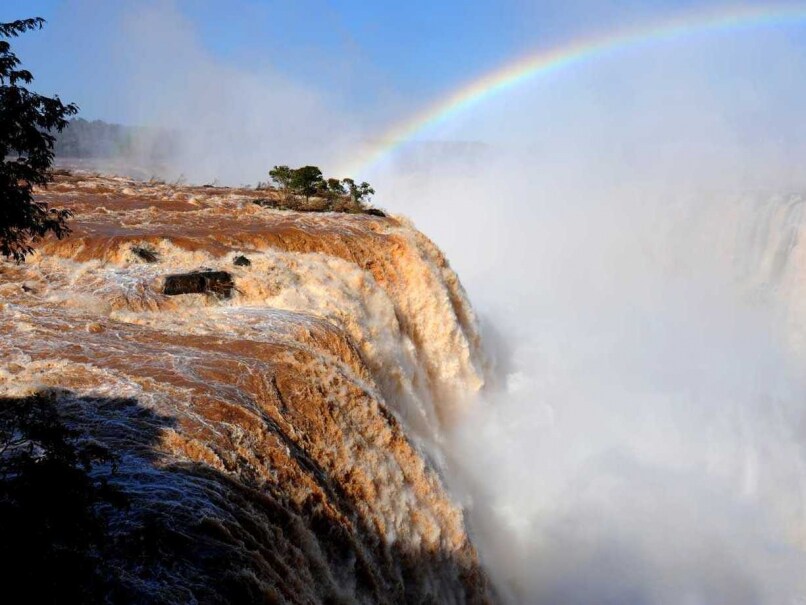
(241, 261)
(145, 254)
(374, 212)
(199, 282)
(265, 203)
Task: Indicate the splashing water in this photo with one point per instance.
(642, 441)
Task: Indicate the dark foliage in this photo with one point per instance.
(307, 181)
(360, 194)
(242, 261)
(343, 195)
(96, 139)
(51, 529)
(149, 147)
(334, 188)
(27, 123)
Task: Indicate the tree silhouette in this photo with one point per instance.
(27, 123)
(50, 528)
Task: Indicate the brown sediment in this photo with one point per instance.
(275, 431)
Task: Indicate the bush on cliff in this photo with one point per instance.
(320, 194)
(27, 123)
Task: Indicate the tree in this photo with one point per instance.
(307, 181)
(342, 195)
(281, 176)
(358, 193)
(27, 123)
(334, 192)
(335, 188)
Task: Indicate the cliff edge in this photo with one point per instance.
(270, 382)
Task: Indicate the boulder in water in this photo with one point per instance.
(199, 282)
(146, 254)
(265, 203)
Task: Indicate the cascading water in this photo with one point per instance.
(645, 442)
(277, 442)
(639, 439)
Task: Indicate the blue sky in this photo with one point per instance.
(251, 83)
(365, 52)
(413, 48)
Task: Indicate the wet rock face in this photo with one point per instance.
(199, 282)
(265, 432)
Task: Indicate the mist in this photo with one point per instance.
(629, 231)
(632, 241)
(207, 120)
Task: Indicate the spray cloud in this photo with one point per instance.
(641, 440)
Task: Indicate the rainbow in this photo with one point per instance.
(555, 59)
